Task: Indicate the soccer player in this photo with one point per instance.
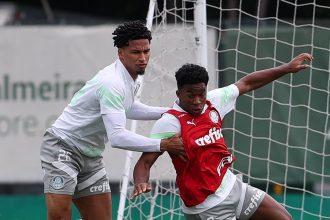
(208, 188)
(71, 151)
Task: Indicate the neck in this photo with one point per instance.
(134, 76)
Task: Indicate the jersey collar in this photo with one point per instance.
(128, 78)
(178, 108)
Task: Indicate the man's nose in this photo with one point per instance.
(142, 57)
(197, 100)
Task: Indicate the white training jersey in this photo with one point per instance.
(224, 100)
(110, 93)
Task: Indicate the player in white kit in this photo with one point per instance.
(71, 152)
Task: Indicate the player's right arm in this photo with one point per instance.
(166, 127)
(141, 173)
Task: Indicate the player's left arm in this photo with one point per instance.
(260, 78)
(223, 99)
(140, 111)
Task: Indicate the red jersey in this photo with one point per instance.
(208, 155)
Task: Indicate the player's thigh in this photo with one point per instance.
(59, 206)
(224, 210)
(95, 206)
(270, 209)
(93, 194)
(61, 164)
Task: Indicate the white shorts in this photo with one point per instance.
(241, 203)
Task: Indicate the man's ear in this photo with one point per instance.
(177, 93)
(120, 52)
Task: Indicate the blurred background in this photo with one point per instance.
(49, 48)
(96, 12)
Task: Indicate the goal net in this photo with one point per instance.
(279, 133)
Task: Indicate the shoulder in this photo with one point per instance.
(228, 91)
(224, 99)
(167, 124)
(110, 78)
(167, 119)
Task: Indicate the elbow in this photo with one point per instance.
(244, 87)
(147, 160)
(115, 138)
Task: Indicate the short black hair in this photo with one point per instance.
(191, 74)
(132, 30)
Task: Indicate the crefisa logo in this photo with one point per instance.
(57, 182)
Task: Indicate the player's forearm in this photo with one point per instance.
(122, 138)
(140, 111)
(142, 168)
(127, 140)
(260, 78)
(141, 173)
(263, 77)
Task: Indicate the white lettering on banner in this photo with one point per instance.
(254, 202)
(213, 135)
(223, 162)
(100, 188)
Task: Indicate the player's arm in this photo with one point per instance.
(167, 126)
(260, 78)
(122, 138)
(114, 119)
(141, 173)
(140, 111)
(224, 99)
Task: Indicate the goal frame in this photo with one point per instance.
(201, 45)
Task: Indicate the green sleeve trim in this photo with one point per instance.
(225, 97)
(78, 95)
(109, 99)
(82, 91)
(162, 135)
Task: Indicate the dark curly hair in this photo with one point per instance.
(132, 30)
(191, 74)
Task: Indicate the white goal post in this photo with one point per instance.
(279, 133)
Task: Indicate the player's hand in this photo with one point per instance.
(173, 145)
(297, 63)
(140, 188)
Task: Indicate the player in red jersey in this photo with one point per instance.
(208, 189)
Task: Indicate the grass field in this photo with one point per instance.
(32, 207)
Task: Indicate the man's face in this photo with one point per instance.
(135, 56)
(192, 98)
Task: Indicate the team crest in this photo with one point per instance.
(57, 182)
(214, 116)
